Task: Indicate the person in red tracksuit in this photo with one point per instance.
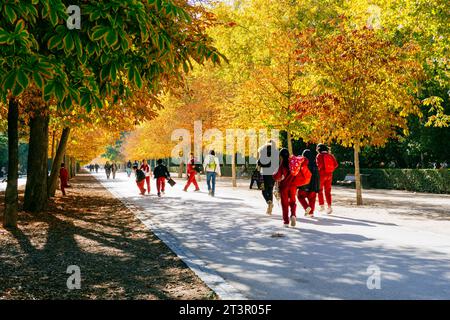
(191, 172)
(326, 163)
(307, 193)
(287, 187)
(148, 173)
(64, 178)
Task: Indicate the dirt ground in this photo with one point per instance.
(118, 257)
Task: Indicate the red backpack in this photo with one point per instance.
(329, 163)
(299, 169)
(295, 164)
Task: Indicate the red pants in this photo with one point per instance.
(191, 180)
(288, 199)
(63, 186)
(147, 180)
(160, 184)
(325, 183)
(307, 199)
(140, 185)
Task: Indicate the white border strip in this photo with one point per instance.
(223, 289)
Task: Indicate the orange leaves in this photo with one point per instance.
(363, 82)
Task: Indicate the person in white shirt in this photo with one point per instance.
(212, 168)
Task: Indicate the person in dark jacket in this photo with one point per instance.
(307, 194)
(161, 173)
(268, 160)
(108, 169)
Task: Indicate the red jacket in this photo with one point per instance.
(63, 174)
(321, 163)
(191, 169)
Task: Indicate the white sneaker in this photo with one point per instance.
(329, 210)
(293, 221)
(269, 207)
(322, 208)
(286, 225)
(307, 211)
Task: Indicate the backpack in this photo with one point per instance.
(329, 163)
(295, 164)
(140, 175)
(212, 163)
(198, 168)
(306, 173)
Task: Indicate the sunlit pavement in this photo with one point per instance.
(405, 236)
(20, 182)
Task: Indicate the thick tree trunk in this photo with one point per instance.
(53, 180)
(359, 200)
(36, 187)
(289, 143)
(11, 195)
(233, 170)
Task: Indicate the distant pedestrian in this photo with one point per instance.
(107, 168)
(140, 179)
(211, 166)
(160, 173)
(129, 168)
(307, 194)
(96, 167)
(114, 169)
(148, 173)
(191, 173)
(64, 178)
(326, 163)
(268, 158)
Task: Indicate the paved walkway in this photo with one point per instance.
(406, 235)
(20, 182)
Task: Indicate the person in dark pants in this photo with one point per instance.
(268, 159)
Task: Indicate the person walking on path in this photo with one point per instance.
(191, 173)
(96, 166)
(326, 163)
(140, 179)
(114, 169)
(292, 173)
(129, 168)
(211, 166)
(148, 173)
(108, 169)
(268, 158)
(64, 178)
(307, 194)
(161, 173)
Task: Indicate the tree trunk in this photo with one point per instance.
(233, 170)
(180, 169)
(289, 143)
(359, 200)
(36, 187)
(11, 195)
(53, 180)
(53, 146)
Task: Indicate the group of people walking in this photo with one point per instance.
(296, 177)
(281, 175)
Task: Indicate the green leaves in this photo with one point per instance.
(16, 81)
(10, 13)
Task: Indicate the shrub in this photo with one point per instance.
(419, 180)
